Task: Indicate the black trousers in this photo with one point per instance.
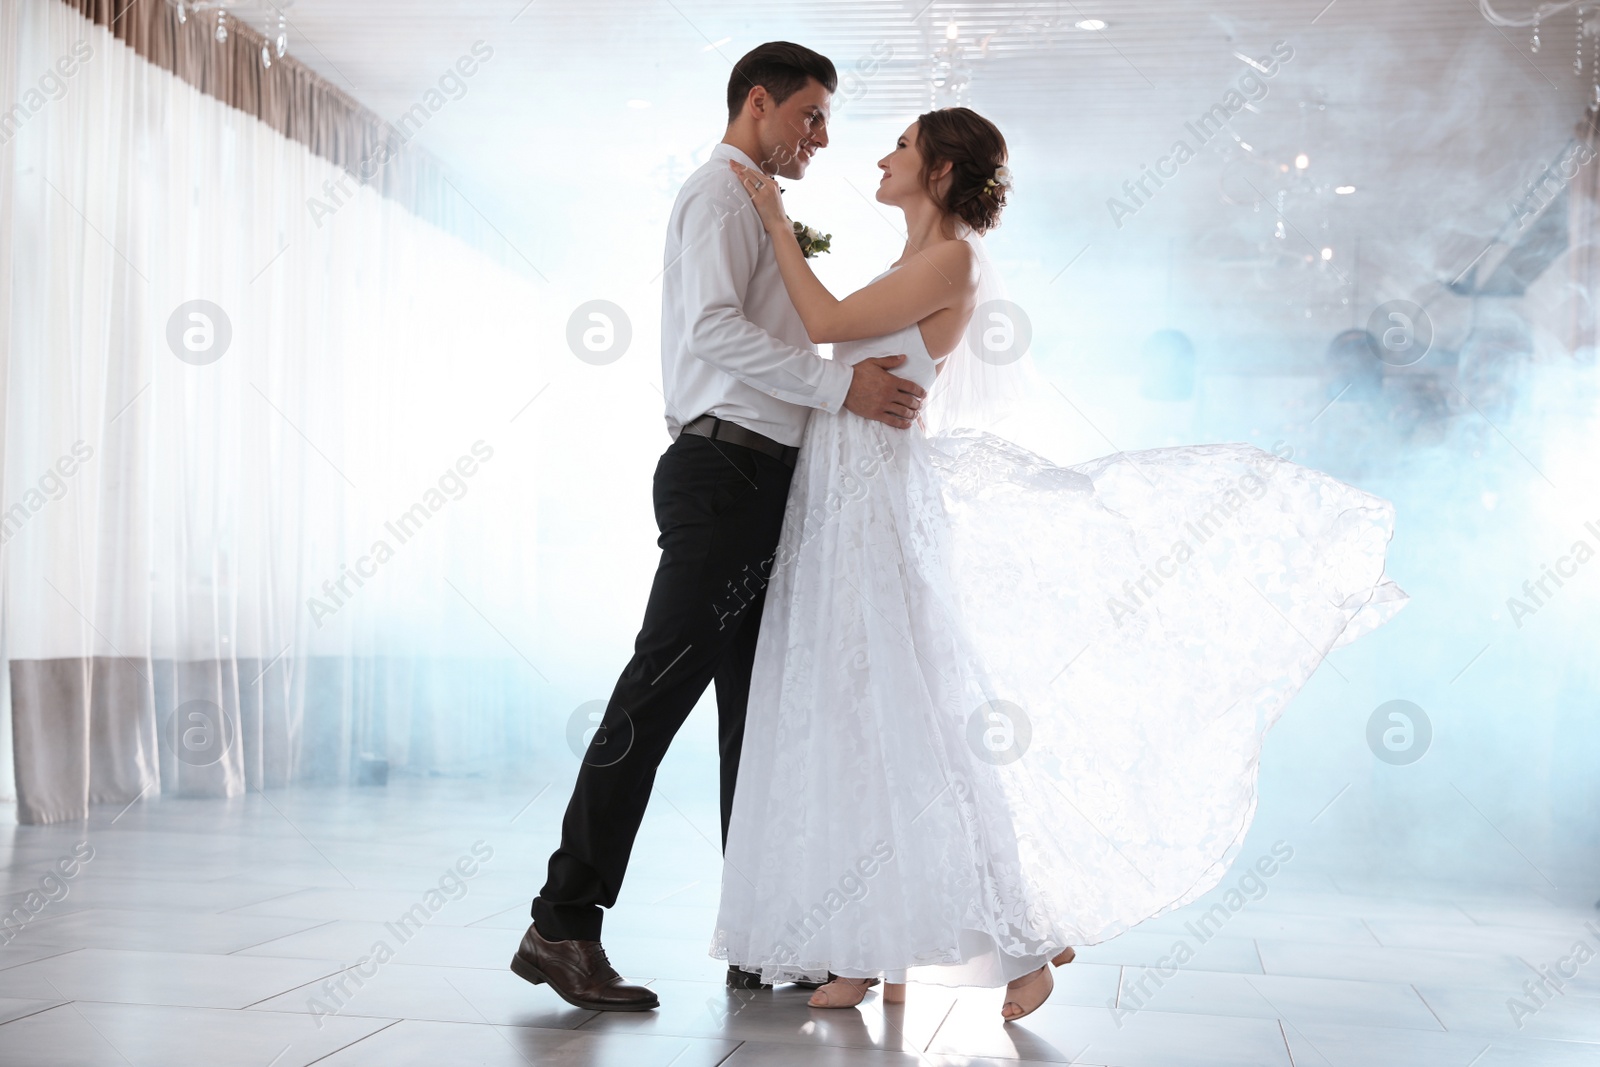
(719, 508)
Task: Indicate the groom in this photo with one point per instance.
(740, 376)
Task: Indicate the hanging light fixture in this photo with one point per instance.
(1577, 57)
(275, 45)
(948, 72)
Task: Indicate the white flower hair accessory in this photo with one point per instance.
(1000, 180)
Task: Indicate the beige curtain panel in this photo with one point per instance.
(262, 492)
(288, 96)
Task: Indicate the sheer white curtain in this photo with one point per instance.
(230, 568)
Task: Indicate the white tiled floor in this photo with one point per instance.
(245, 932)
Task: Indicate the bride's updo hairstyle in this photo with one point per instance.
(976, 152)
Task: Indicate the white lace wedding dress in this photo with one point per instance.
(1000, 707)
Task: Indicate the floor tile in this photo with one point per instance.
(1378, 964)
(1066, 1034)
(1261, 922)
(97, 890)
(990, 1061)
(23, 951)
(371, 905)
(781, 1015)
(220, 919)
(1270, 996)
(172, 978)
(663, 959)
(757, 1054)
(1469, 936)
(1088, 985)
(425, 1044)
(1359, 1046)
(1215, 952)
(434, 994)
(16, 1008)
(1517, 1013)
(171, 931)
(94, 1035)
(415, 943)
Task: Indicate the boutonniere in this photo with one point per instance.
(812, 243)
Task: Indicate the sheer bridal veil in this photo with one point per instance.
(991, 374)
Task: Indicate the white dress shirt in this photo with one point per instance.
(732, 343)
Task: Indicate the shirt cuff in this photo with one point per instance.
(835, 385)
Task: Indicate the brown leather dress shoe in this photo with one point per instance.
(579, 973)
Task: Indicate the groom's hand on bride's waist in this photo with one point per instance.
(878, 395)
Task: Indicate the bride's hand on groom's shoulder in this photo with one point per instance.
(764, 194)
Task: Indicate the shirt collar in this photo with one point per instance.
(723, 150)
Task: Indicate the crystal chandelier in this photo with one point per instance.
(1585, 23)
(274, 24)
(950, 75)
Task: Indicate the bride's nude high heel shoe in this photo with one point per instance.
(1024, 995)
(841, 993)
(848, 992)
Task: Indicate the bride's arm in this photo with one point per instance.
(941, 277)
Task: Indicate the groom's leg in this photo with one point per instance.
(733, 697)
(720, 511)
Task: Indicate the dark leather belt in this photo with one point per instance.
(734, 434)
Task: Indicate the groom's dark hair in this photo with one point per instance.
(782, 69)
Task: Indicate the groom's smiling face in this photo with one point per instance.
(795, 130)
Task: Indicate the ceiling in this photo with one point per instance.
(1024, 56)
(1435, 116)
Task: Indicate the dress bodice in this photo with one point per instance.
(920, 366)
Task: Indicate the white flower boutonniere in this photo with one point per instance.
(812, 243)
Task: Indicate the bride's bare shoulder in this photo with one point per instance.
(953, 262)
(962, 260)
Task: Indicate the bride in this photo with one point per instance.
(1000, 707)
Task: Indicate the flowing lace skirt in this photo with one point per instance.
(1000, 707)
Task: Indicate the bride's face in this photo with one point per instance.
(901, 183)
